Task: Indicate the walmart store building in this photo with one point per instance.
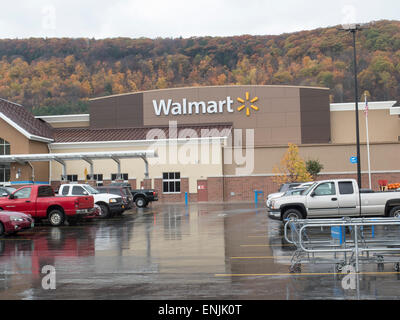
(200, 135)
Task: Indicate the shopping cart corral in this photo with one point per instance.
(343, 242)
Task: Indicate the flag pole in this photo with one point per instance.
(368, 151)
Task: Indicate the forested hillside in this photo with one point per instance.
(57, 76)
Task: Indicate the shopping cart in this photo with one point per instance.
(346, 241)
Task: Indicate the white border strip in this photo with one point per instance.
(65, 118)
(379, 105)
(130, 143)
(322, 173)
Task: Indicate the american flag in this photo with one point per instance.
(366, 106)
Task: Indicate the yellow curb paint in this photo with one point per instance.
(301, 274)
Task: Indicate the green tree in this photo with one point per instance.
(314, 167)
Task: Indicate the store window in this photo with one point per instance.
(123, 175)
(171, 182)
(71, 178)
(98, 178)
(4, 168)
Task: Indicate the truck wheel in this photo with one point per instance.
(395, 212)
(56, 218)
(292, 214)
(105, 211)
(140, 202)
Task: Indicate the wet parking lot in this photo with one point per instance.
(204, 251)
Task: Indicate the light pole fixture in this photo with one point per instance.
(353, 28)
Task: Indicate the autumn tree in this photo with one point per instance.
(292, 167)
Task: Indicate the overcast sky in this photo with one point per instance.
(186, 18)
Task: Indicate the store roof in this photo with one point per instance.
(372, 105)
(22, 120)
(65, 135)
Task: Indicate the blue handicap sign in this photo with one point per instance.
(354, 160)
(338, 233)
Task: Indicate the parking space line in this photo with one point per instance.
(302, 274)
(264, 257)
(268, 245)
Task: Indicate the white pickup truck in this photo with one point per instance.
(109, 204)
(335, 198)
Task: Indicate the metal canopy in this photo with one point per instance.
(78, 156)
(84, 156)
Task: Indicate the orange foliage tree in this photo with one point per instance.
(291, 168)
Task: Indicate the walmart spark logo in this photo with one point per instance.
(248, 104)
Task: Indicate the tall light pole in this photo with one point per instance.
(353, 28)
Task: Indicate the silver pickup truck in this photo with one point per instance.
(335, 198)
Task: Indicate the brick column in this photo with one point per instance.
(132, 182)
(215, 188)
(184, 188)
(158, 187)
(146, 184)
(92, 183)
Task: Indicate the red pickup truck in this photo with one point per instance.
(40, 202)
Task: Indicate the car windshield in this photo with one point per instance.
(91, 190)
(294, 192)
(303, 192)
(307, 191)
(115, 191)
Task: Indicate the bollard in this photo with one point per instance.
(256, 194)
(186, 199)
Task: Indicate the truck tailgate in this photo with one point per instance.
(85, 202)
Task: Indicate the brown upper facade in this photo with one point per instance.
(71, 135)
(278, 114)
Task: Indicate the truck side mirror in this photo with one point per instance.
(11, 196)
(312, 194)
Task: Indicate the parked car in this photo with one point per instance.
(12, 222)
(292, 192)
(123, 192)
(40, 202)
(335, 198)
(110, 204)
(6, 191)
(141, 197)
(284, 188)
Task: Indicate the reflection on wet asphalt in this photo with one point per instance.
(205, 251)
